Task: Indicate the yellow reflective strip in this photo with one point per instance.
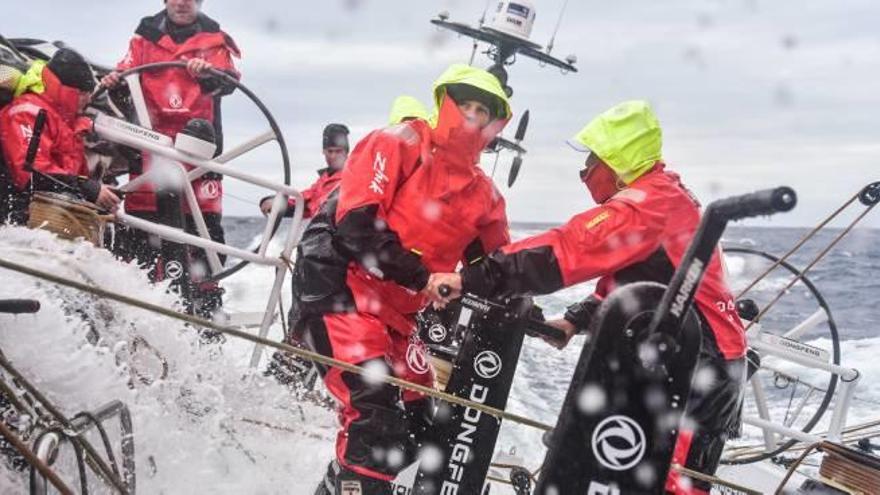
(601, 217)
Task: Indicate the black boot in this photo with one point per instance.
(420, 414)
(341, 481)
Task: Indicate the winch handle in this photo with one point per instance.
(18, 306)
(444, 290)
(542, 329)
(766, 202)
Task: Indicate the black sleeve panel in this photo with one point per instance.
(474, 252)
(581, 314)
(217, 85)
(367, 239)
(90, 189)
(528, 272)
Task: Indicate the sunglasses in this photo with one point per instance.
(589, 169)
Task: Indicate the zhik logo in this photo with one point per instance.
(618, 443)
(377, 184)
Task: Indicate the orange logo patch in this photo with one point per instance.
(601, 217)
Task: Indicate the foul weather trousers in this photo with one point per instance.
(712, 414)
(380, 422)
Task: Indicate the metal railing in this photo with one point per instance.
(128, 134)
(849, 379)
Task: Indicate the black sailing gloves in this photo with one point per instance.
(581, 314)
(531, 271)
(378, 249)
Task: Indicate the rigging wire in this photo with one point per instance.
(482, 21)
(34, 461)
(868, 196)
(803, 272)
(798, 245)
(403, 384)
(556, 29)
(303, 353)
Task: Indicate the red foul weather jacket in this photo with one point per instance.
(316, 194)
(61, 153)
(412, 200)
(173, 97)
(640, 234)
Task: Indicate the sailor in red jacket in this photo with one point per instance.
(298, 373)
(61, 88)
(639, 232)
(412, 201)
(335, 149)
(173, 98)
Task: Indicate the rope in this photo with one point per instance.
(556, 29)
(708, 478)
(66, 219)
(797, 246)
(238, 198)
(78, 452)
(34, 461)
(793, 467)
(849, 435)
(79, 443)
(311, 356)
(803, 272)
(675, 467)
(104, 438)
(853, 471)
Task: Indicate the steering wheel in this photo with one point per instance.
(273, 124)
(775, 383)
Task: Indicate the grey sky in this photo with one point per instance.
(750, 93)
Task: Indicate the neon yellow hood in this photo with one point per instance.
(32, 80)
(465, 74)
(406, 107)
(627, 137)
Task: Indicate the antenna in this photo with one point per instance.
(482, 21)
(556, 30)
(507, 34)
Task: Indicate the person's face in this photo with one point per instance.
(590, 167)
(600, 180)
(83, 99)
(475, 113)
(335, 157)
(182, 12)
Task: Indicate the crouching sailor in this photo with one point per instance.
(60, 89)
(412, 200)
(639, 231)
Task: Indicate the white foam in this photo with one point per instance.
(198, 426)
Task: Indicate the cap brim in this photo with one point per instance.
(577, 146)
